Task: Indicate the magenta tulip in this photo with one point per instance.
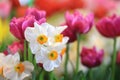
(77, 24)
(91, 57)
(15, 47)
(109, 26)
(18, 26)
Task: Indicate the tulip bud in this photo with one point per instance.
(91, 57)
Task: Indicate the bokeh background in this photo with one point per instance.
(55, 10)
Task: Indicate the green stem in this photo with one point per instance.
(66, 61)
(77, 56)
(41, 75)
(25, 50)
(114, 59)
(33, 75)
(51, 77)
(90, 74)
(30, 56)
(72, 65)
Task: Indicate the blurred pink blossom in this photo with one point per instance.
(109, 26)
(5, 8)
(15, 47)
(77, 24)
(18, 26)
(91, 57)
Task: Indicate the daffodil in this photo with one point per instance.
(16, 70)
(55, 36)
(44, 35)
(2, 59)
(47, 43)
(50, 57)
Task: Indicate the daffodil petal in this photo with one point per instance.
(28, 66)
(34, 47)
(9, 72)
(48, 66)
(40, 29)
(40, 58)
(30, 34)
(57, 62)
(65, 40)
(60, 29)
(23, 75)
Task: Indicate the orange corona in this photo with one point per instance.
(58, 38)
(42, 39)
(53, 55)
(20, 68)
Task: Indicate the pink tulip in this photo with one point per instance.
(5, 8)
(77, 24)
(18, 26)
(15, 47)
(91, 57)
(109, 26)
(39, 14)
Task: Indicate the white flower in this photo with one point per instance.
(44, 35)
(16, 70)
(47, 43)
(50, 57)
(37, 36)
(2, 63)
(24, 2)
(56, 38)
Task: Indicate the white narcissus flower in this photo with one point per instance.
(16, 70)
(37, 36)
(44, 35)
(56, 38)
(2, 63)
(50, 57)
(47, 43)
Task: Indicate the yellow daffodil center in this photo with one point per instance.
(1, 71)
(42, 39)
(53, 55)
(63, 51)
(58, 38)
(20, 68)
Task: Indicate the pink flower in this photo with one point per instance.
(5, 8)
(18, 26)
(91, 57)
(77, 24)
(70, 33)
(109, 26)
(15, 47)
(39, 14)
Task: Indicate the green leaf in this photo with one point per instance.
(30, 55)
(108, 74)
(80, 76)
(25, 49)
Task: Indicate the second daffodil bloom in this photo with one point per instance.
(16, 70)
(49, 57)
(44, 35)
